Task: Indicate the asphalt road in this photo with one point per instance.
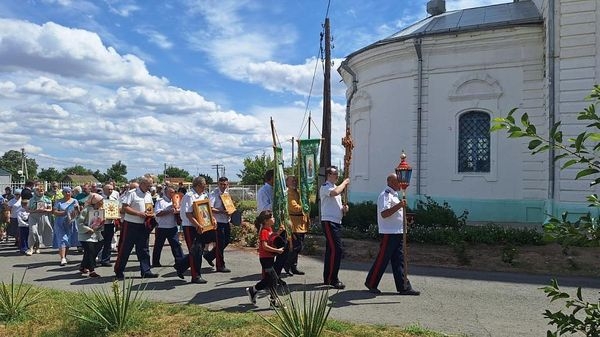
(455, 302)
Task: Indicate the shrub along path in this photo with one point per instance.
(452, 301)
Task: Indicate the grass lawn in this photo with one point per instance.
(49, 318)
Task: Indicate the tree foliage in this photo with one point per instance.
(50, 174)
(11, 162)
(254, 169)
(116, 172)
(77, 170)
(209, 179)
(176, 172)
(582, 150)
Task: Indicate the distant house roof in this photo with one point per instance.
(3, 172)
(470, 19)
(176, 180)
(78, 179)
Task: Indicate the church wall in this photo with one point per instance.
(578, 68)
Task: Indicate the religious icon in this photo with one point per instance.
(203, 215)
(96, 218)
(111, 208)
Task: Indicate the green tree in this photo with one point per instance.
(11, 162)
(117, 172)
(50, 174)
(100, 176)
(254, 169)
(582, 150)
(78, 170)
(176, 172)
(209, 179)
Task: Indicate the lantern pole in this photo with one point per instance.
(403, 173)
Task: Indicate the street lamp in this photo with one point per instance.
(403, 173)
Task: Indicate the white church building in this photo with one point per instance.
(433, 89)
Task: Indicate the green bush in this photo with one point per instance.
(305, 318)
(431, 213)
(246, 205)
(110, 311)
(360, 216)
(584, 318)
(15, 299)
(489, 234)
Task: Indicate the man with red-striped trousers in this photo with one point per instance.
(332, 211)
(390, 221)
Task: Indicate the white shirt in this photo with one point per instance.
(165, 220)
(393, 224)
(187, 205)
(216, 202)
(331, 207)
(137, 200)
(14, 205)
(264, 198)
(22, 216)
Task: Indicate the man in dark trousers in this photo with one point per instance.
(390, 221)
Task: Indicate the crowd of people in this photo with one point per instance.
(70, 218)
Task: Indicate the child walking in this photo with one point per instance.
(22, 215)
(266, 254)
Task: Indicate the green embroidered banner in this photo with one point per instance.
(280, 199)
(309, 167)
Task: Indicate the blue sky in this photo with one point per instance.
(189, 83)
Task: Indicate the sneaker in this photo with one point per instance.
(198, 280)
(63, 261)
(38, 251)
(223, 270)
(29, 252)
(251, 294)
(338, 285)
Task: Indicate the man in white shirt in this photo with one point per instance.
(332, 212)
(192, 232)
(223, 227)
(137, 206)
(390, 220)
(166, 228)
(264, 196)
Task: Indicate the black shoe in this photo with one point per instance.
(297, 272)
(119, 277)
(210, 262)
(150, 275)
(338, 285)
(223, 270)
(373, 290)
(198, 280)
(287, 272)
(409, 292)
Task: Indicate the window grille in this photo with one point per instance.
(474, 142)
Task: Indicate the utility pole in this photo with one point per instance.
(325, 157)
(309, 123)
(219, 167)
(24, 164)
(292, 152)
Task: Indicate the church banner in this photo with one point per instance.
(280, 199)
(307, 154)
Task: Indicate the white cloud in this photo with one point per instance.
(52, 89)
(452, 5)
(156, 37)
(68, 52)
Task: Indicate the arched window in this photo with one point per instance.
(474, 142)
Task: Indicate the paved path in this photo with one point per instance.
(452, 301)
